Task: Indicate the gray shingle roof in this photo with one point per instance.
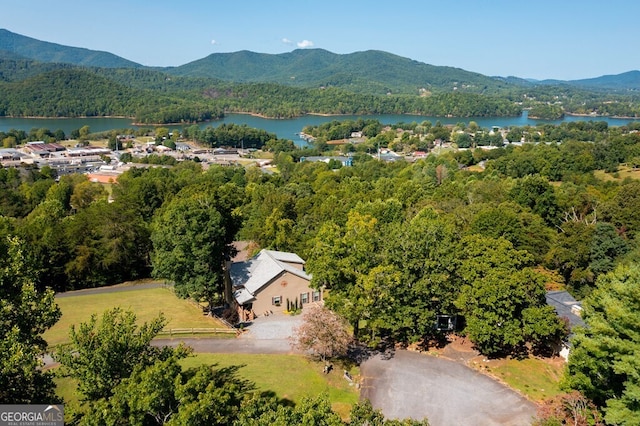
(250, 276)
(562, 301)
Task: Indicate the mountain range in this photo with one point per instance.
(370, 71)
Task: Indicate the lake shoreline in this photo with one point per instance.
(308, 114)
(282, 128)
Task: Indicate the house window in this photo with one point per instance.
(304, 298)
(316, 296)
(276, 300)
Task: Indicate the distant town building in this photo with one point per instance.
(345, 161)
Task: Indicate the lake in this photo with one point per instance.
(284, 129)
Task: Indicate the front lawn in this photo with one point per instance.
(536, 378)
(145, 303)
(289, 377)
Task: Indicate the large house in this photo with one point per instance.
(272, 281)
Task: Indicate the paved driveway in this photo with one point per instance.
(448, 393)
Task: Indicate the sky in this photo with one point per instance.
(543, 39)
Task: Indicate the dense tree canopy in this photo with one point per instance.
(104, 352)
(604, 364)
(25, 314)
(400, 247)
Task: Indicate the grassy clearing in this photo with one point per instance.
(475, 168)
(535, 378)
(146, 303)
(623, 173)
(290, 377)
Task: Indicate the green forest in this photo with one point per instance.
(150, 96)
(478, 234)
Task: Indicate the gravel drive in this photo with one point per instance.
(275, 326)
(265, 335)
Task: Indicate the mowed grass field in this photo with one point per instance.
(147, 304)
(290, 377)
(623, 173)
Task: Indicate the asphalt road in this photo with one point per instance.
(448, 393)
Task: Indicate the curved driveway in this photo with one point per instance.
(446, 392)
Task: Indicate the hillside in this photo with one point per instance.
(26, 47)
(283, 85)
(81, 92)
(66, 93)
(16, 69)
(372, 71)
(628, 81)
(364, 72)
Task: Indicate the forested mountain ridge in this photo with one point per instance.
(627, 80)
(62, 90)
(73, 92)
(280, 86)
(44, 51)
(371, 71)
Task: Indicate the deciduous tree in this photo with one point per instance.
(503, 298)
(323, 333)
(568, 409)
(189, 245)
(103, 353)
(25, 314)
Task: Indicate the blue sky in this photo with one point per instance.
(562, 39)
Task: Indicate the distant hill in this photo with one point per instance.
(66, 93)
(6, 54)
(20, 69)
(38, 78)
(15, 46)
(626, 80)
(371, 71)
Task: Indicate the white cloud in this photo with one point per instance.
(214, 42)
(287, 41)
(305, 43)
